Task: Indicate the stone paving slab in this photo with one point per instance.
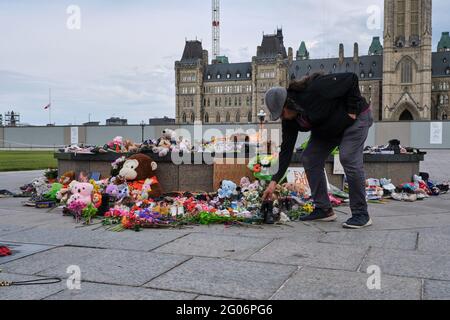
(405, 240)
(436, 290)
(435, 240)
(409, 264)
(96, 291)
(225, 278)
(27, 292)
(210, 245)
(21, 250)
(301, 253)
(119, 267)
(320, 284)
(32, 265)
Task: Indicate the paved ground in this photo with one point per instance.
(409, 243)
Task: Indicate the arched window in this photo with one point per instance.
(406, 116)
(183, 118)
(192, 117)
(415, 17)
(228, 118)
(249, 117)
(401, 12)
(238, 117)
(206, 117)
(218, 117)
(406, 69)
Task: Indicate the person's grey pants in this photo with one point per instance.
(352, 158)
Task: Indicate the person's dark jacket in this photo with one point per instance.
(325, 105)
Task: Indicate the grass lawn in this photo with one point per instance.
(26, 160)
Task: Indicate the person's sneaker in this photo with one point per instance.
(320, 215)
(358, 222)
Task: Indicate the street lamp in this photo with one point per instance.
(142, 130)
(262, 117)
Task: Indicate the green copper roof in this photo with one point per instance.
(444, 43)
(302, 53)
(222, 59)
(375, 48)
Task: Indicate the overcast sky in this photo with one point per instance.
(121, 61)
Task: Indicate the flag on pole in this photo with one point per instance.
(47, 106)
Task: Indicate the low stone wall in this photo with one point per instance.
(200, 177)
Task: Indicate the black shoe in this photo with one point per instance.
(320, 215)
(267, 212)
(358, 222)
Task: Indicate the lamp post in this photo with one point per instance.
(142, 130)
(261, 117)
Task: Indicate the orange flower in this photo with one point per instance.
(257, 168)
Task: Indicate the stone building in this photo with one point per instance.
(404, 80)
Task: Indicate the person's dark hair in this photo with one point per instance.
(300, 86)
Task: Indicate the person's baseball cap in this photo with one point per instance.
(275, 100)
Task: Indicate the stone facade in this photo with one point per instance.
(403, 81)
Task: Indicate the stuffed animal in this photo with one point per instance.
(112, 190)
(137, 169)
(227, 189)
(67, 178)
(41, 186)
(130, 146)
(53, 193)
(81, 192)
(123, 191)
(63, 194)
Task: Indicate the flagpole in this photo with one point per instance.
(50, 106)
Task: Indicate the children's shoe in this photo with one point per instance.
(320, 215)
(358, 222)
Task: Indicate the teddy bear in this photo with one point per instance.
(81, 192)
(136, 170)
(130, 146)
(165, 143)
(41, 186)
(67, 178)
(227, 189)
(64, 193)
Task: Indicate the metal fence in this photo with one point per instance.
(425, 135)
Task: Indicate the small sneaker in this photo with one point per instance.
(358, 222)
(320, 215)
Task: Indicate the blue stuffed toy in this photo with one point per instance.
(227, 190)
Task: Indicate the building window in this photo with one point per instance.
(248, 75)
(192, 117)
(209, 77)
(183, 118)
(206, 117)
(228, 118)
(238, 117)
(249, 117)
(248, 101)
(218, 76)
(218, 117)
(447, 71)
(363, 75)
(406, 69)
(401, 12)
(228, 76)
(238, 75)
(414, 17)
(209, 102)
(240, 101)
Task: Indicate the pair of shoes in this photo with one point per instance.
(320, 215)
(407, 197)
(4, 251)
(358, 222)
(267, 212)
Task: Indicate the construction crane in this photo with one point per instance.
(215, 28)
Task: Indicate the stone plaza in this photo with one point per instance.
(409, 244)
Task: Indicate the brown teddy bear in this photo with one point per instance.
(139, 172)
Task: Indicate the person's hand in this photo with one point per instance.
(268, 194)
(353, 116)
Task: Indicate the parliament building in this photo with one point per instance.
(403, 78)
